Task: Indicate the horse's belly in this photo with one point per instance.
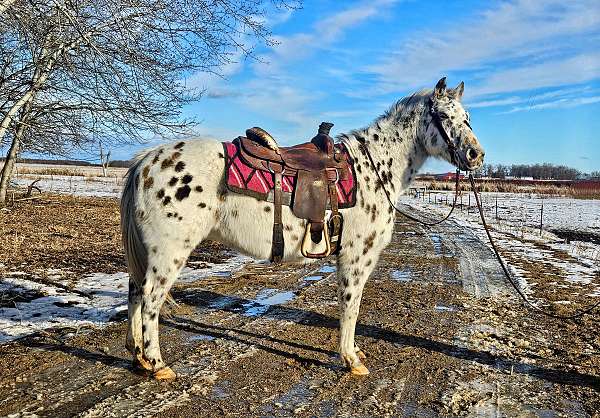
(246, 225)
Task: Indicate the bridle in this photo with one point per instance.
(453, 151)
(437, 121)
(453, 156)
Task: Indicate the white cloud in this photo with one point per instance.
(559, 103)
(205, 80)
(283, 98)
(574, 70)
(324, 33)
(496, 102)
(329, 30)
(533, 98)
(515, 46)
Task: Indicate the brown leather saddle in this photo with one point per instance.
(317, 166)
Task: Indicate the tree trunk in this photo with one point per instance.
(11, 157)
(5, 4)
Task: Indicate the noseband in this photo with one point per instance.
(437, 120)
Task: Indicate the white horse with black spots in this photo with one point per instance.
(175, 197)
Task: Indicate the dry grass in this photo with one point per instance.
(63, 232)
(68, 170)
(47, 171)
(78, 234)
(506, 187)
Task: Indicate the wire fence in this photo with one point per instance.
(522, 214)
(518, 209)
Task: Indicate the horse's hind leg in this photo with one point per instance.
(160, 276)
(134, 341)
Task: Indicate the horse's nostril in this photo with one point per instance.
(472, 154)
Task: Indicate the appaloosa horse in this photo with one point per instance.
(175, 197)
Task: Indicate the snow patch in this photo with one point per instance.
(29, 306)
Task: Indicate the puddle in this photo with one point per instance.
(439, 249)
(222, 390)
(223, 302)
(294, 401)
(327, 269)
(404, 275)
(313, 278)
(265, 299)
(201, 337)
(443, 308)
(437, 244)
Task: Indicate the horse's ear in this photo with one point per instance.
(459, 90)
(440, 87)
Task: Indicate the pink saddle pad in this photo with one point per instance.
(241, 178)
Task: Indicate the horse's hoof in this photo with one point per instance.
(165, 374)
(141, 363)
(359, 370)
(361, 355)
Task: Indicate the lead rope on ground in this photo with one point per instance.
(512, 281)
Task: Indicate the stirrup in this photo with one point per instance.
(306, 242)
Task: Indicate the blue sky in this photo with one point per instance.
(531, 70)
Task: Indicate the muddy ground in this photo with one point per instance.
(443, 334)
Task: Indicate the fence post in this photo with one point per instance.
(469, 207)
(496, 207)
(542, 217)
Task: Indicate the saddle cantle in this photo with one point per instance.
(315, 169)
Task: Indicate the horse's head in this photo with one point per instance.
(448, 133)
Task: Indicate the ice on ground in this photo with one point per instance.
(59, 307)
(28, 306)
(265, 299)
(225, 269)
(74, 185)
(526, 209)
(576, 263)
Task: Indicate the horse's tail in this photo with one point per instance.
(136, 253)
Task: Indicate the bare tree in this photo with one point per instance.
(72, 71)
(104, 160)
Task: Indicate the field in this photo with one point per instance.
(443, 332)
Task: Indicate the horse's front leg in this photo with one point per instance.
(353, 270)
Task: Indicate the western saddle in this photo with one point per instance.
(317, 166)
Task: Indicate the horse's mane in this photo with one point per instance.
(406, 105)
(397, 111)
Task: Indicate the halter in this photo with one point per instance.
(437, 120)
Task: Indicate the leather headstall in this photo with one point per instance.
(437, 120)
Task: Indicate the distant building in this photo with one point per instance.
(448, 176)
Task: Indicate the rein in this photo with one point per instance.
(512, 281)
(406, 215)
(454, 157)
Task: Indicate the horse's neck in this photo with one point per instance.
(396, 151)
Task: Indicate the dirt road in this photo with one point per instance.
(442, 333)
